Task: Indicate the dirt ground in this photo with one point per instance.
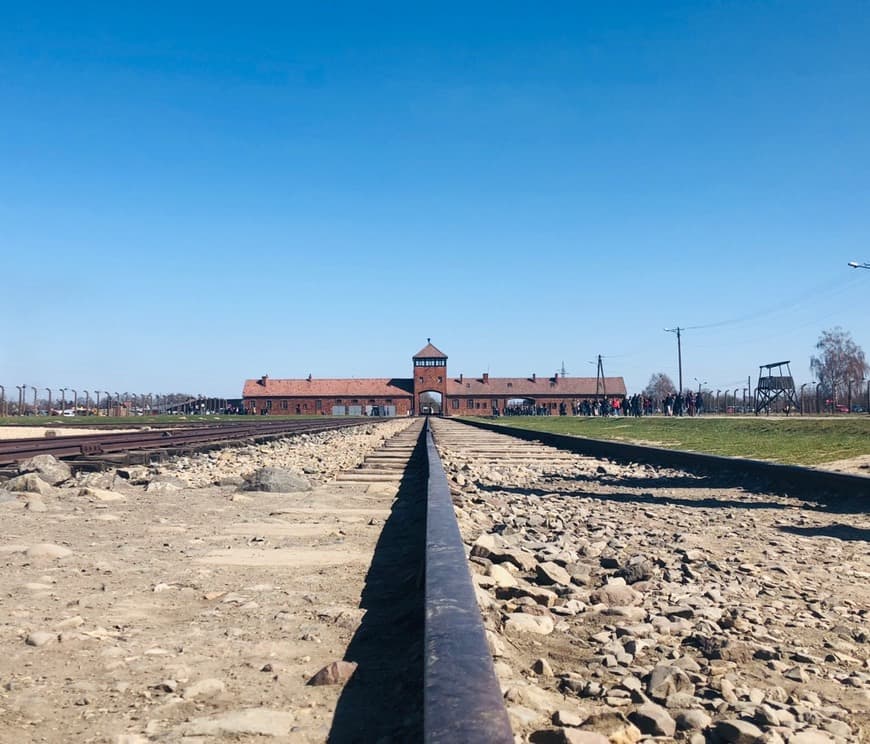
(184, 615)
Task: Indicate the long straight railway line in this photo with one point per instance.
(151, 441)
(521, 590)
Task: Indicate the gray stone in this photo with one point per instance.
(653, 720)
(692, 720)
(666, 680)
(29, 483)
(552, 573)
(521, 622)
(616, 595)
(810, 736)
(735, 731)
(49, 468)
(334, 673)
(40, 638)
(276, 480)
(204, 688)
(253, 721)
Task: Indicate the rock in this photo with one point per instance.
(735, 731)
(71, 622)
(810, 736)
(50, 469)
(276, 480)
(575, 736)
(40, 638)
(638, 569)
(616, 595)
(254, 721)
(666, 680)
(692, 720)
(162, 487)
(552, 573)
(615, 726)
(204, 688)
(100, 494)
(541, 596)
(334, 673)
(569, 717)
(136, 475)
(502, 577)
(653, 720)
(36, 505)
(47, 550)
(521, 622)
(542, 667)
(29, 483)
(520, 558)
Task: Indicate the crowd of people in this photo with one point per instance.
(674, 404)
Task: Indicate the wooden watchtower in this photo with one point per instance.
(772, 386)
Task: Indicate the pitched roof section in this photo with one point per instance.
(379, 387)
(430, 352)
(523, 387)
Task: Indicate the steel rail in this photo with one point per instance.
(462, 701)
(778, 476)
(15, 450)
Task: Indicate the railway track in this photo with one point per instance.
(146, 443)
(619, 597)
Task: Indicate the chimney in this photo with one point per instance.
(557, 377)
(534, 377)
(460, 377)
(309, 377)
(486, 378)
(263, 380)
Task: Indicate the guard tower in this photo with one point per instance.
(430, 376)
(775, 385)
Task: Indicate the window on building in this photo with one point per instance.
(269, 404)
(510, 384)
(388, 402)
(318, 405)
(441, 362)
(338, 401)
(355, 402)
(440, 378)
(454, 403)
(285, 404)
(421, 379)
(469, 403)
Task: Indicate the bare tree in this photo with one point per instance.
(659, 386)
(840, 362)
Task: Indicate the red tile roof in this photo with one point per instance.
(521, 387)
(430, 352)
(329, 388)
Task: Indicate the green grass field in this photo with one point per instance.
(800, 441)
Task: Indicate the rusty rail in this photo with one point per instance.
(462, 701)
(15, 450)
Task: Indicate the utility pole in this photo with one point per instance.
(678, 330)
(599, 379)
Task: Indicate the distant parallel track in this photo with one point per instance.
(90, 445)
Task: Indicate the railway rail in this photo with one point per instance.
(156, 440)
(462, 699)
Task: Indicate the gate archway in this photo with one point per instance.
(430, 402)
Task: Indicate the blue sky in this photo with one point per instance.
(192, 196)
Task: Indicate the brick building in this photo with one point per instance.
(429, 390)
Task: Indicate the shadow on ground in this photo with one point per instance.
(383, 701)
(838, 531)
